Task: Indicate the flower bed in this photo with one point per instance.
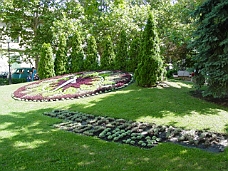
(144, 135)
(73, 86)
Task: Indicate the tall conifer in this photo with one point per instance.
(134, 51)
(122, 49)
(150, 69)
(61, 57)
(77, 54)
(211, 44)
(91, 62)
(108, 56)
(46, 63)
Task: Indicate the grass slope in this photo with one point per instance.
(29, 142)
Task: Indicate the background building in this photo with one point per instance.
(10, 47)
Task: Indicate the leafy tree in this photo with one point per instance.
(30, 20)
(91, 61)
(149, 71)
(61, 57)
(122, 49)
(120, 15)
(175, 27)
(69, 20)
(46, 64)
(77, 55)
(42, 21)
(211, 43)
(108, 56)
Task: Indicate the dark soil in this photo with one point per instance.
(143, 135)
(219, 101)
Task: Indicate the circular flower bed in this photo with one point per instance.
(72, 86)
(145, 135)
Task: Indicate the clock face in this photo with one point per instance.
(73, 86)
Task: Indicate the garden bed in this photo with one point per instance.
(73, 86)
(220, 101)
(143, 135)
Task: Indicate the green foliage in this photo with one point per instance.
(122, 49)
(4, 81)
(46, 20)
(119, 16)
(175, 27)
(170, 73)
(211, 43)
(68, 20)
(198, 79)
(91, 61)
(108, 56)
(61, 57)
(150, 69)
(77, 55)
(133, 54)
(46, 64)
(17, 81)
(31, 21)
(29, 141)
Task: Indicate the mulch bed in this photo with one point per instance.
(219, 101)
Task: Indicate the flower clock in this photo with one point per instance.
(72, 86)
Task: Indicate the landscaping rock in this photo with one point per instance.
(144, 135)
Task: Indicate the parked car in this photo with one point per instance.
(4, 75)
(23, 73)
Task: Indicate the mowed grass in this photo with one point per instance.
(28, 140)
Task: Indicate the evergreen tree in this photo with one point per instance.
(46, 63)
(211, 43)
(121, 55)
(150, 69)
(61, 57)
(134, 52)
(108, 56)
(77, 55)
(91, 62)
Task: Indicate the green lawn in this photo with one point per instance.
(28, 140)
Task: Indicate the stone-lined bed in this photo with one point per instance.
(143, 135)
(73, 86)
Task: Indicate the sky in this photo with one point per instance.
(173, 1)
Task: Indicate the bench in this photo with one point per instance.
(184, 75)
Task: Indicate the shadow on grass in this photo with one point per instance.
(172, 105)
(24, 131)
(29, 142)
